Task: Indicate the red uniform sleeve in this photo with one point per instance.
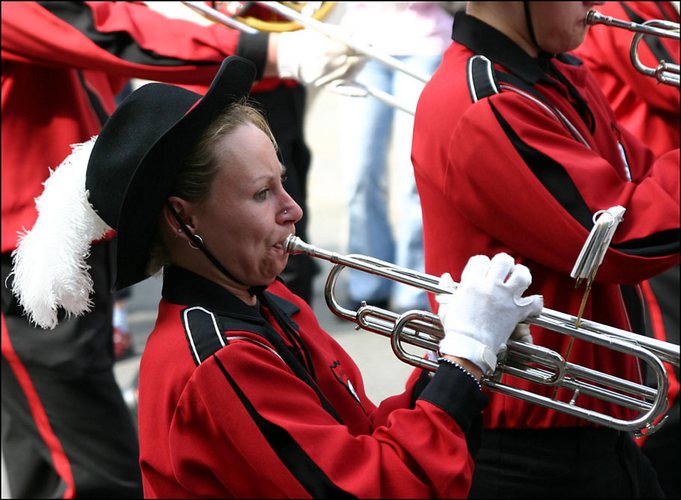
(244, 423)
(280, 427)
(542, 227)
(120, 38)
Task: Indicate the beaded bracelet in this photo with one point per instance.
(460, 367)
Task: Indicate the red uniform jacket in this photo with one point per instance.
(243, 423)
(647, 109)
(62, 65)
(521, 167)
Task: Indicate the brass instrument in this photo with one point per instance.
(234, 15)
(345, 87)
(531, 362)
(313, 10)
(665, 72)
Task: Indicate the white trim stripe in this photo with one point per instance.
(185, 320)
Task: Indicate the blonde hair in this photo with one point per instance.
(199, 168)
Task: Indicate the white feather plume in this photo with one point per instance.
(50, 269)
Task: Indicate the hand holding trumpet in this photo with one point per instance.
(522, 360)
(480, 316)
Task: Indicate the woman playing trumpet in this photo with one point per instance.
(242, 394)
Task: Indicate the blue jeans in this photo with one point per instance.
(367, 128)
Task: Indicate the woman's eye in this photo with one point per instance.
(262, 195)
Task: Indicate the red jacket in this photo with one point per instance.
(523, 170)
(244, 424)
(62, 65)
(647, 109)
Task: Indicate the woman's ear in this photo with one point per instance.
(177, 214)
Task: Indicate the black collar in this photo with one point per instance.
(181, 286)
(485, 40)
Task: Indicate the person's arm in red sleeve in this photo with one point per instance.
(419, 453)
(546, 186)
(122, 38)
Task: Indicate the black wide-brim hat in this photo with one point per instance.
(139, 152)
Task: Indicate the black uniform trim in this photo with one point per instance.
(481, 78)
(661, 243)
(299, 463)
(254, 48)
(203, 331)
(220, 312)
(289, 308)
(551, 174)
(93, 98)
(557, 181)
(119, 43)
(459, 396)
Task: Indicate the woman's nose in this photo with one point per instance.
(291, 212)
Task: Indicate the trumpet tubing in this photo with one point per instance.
(531, 362)
(666, 72)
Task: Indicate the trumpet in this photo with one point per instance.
(530, 362)
(665, 72)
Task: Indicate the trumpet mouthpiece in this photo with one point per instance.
(293, 244)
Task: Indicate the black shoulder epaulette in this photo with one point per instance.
(481, 77)
(203, 331)
(206, 331)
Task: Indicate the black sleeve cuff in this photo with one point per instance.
(421, 383)
(254, 48)
(456, 393)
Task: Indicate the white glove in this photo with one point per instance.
(522, 333)
(479, 317)
(315, 59)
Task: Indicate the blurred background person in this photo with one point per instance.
(376, 144)
(650, 111)
(65, 428)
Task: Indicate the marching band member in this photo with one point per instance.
(650, 111)
(66, 431)
(515, 148)
(242, 394)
